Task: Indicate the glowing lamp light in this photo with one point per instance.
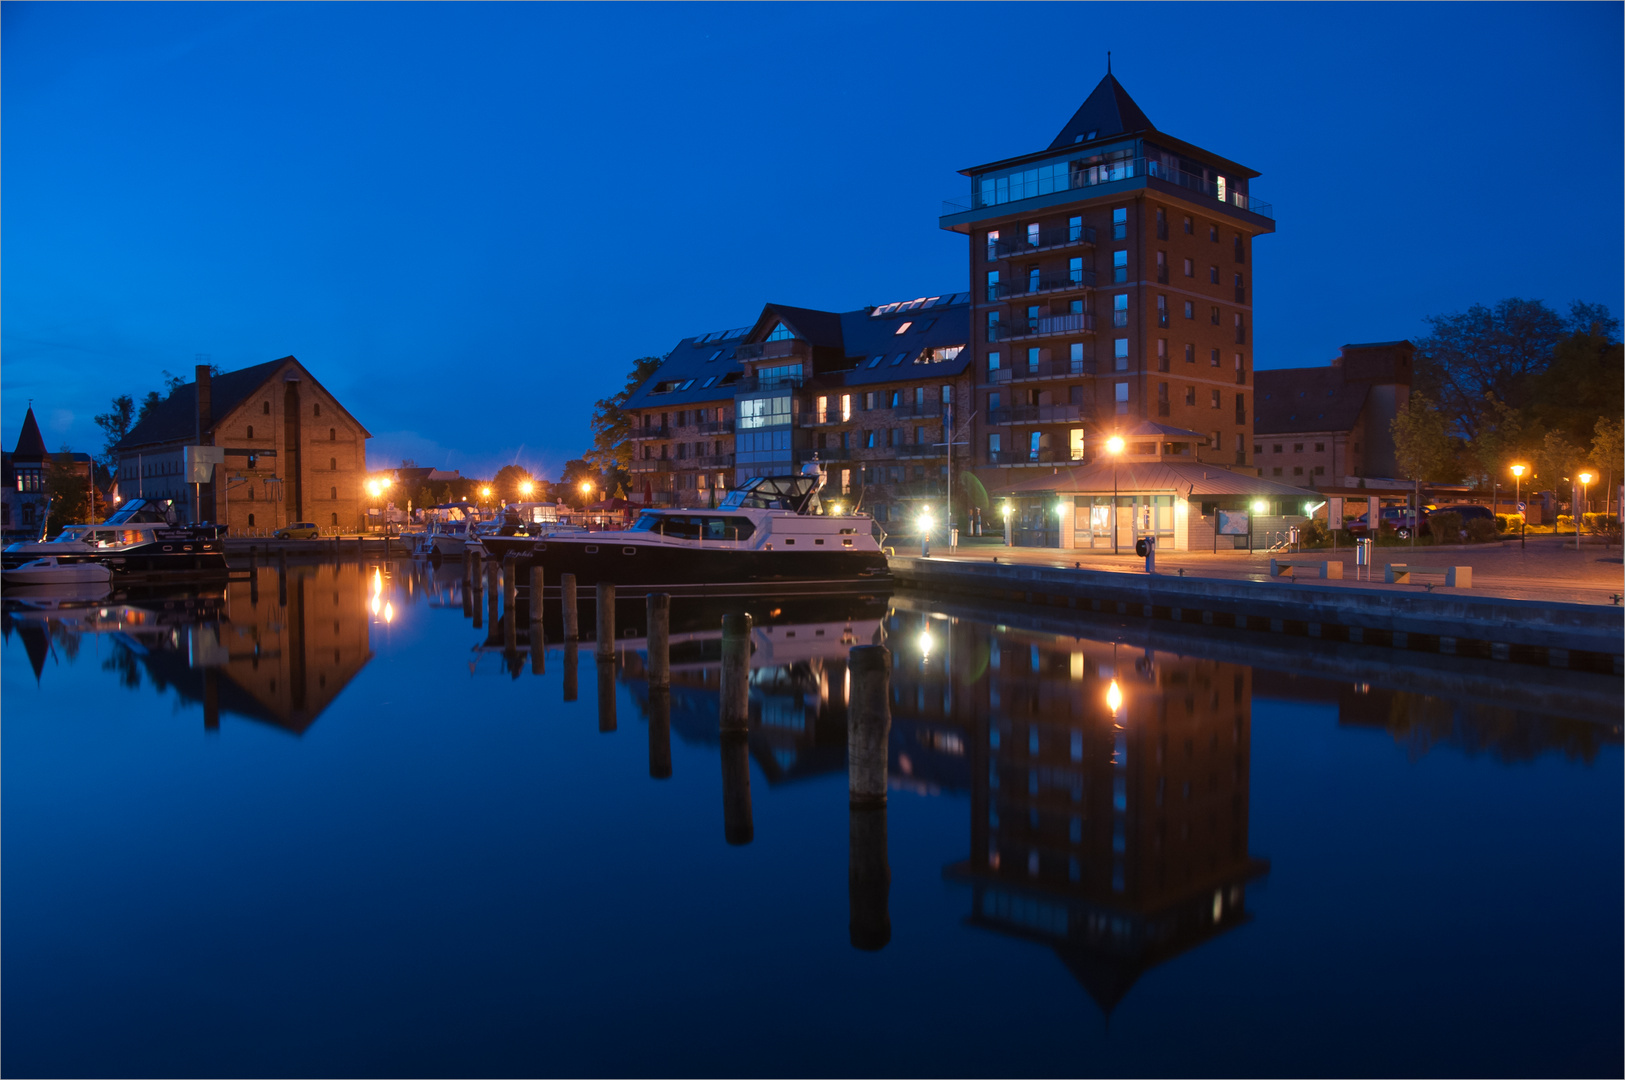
(1519, 470)
(389, 613)
(925, 522)
(485, 492)
(376, 603)
(925, 644)
(1258, 506)
(1114, 445)
(1114, 697)
(526, 487)
(586, 487)
(1586, 478)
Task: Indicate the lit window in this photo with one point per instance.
(846, 406)
(902, 328)
(780, 333)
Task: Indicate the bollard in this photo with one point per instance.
(660, 733)
(868, 879)
(868, 724)
(735, 708)
(570, 647)
(606, 691)
(659, 640)
(737, 828)
(606, 620)
(567, 603)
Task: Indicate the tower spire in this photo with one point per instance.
(1108, 61)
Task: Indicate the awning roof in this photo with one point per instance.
(1182, 478)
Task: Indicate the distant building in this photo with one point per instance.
(1329, 426)
(291, 452)
(24, 502)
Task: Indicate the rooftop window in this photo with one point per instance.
(902, 328)
(781, 333)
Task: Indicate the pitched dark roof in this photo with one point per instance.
(822, 329)
(175, 418)
(1290, 400)
(30, 444)
(1108, 111)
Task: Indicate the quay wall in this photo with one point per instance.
(1582, 636)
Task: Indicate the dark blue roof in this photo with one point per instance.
(698, 368)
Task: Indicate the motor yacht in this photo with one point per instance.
(140, 540)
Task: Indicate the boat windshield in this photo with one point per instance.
(646, 522)
(797, 493)
(71, 535)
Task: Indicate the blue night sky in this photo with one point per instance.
(468, 220)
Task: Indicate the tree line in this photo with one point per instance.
(1516, 383)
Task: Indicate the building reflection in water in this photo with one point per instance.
(1108, 784)
(240, 650)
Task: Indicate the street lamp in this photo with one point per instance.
(1114, 447)
(1585, 479)
(1009, 541)
(1114, 698)
(925, 534)
(526, 487)
(1517, 500)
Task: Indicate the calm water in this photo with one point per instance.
(342, 833)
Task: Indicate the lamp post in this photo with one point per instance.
(1009, 541)
(1517, 501)
(925, 534)
(1258, 509)
(1114, 447)
(1585, 479)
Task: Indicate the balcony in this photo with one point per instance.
(716, 427)
(652, 432)
(825, 454)
(1020, 188)
(788, 348)
(1058, 282)
(915, 410)
(1045, 369)
(1040, 414)
(710, 461)
(1048, 240)
(755, 383)
(1081, 323)
(916, 450)
(1241, 335)
(1048, 456)
(650, 465)
(1241, 294)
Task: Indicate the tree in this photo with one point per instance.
(1422, 442)
(115, 424)
(1484, 351)
(69, 492)
(1554, 460)
(148, 403)
(612, 424)
(576, 472)
(1608, 453)
(1500, 441)
(508, 482)
(1585, 380)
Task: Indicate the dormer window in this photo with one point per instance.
(781, 333)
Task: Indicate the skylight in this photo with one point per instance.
(713, 356)
(876, 361)
(902, 328)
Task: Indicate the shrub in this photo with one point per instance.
(1508, 522)
(1445, 527)
(1483, 530)
(1313, 534)
(1565, 523)
(1599, 523)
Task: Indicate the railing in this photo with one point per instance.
(1040, 414)
(1020, 190)
(651, 465)
(1062, 236)
(811, 419)
(1241, 294)
(1048, 456)
(1162, 275)
(1082, 322)
(752, 383)
(717, 427)
(1241, 335)
(1241, 416)
(1241, 377)
(918, 410)
(1046, 283)
(773, 350)
(713, 461)
(826, 453)
(1046, 369)
(916, 450)
(660, 432)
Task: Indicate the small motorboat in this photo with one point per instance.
(52, 571)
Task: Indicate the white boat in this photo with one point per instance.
(51, 571)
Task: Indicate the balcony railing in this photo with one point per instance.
(917, 410)
(716, 427)
(1241, 294)
(752, 383)
(1081, 323)
(1025, 285)
(1049, 456)
(1020, 246)
(826, 453)
(916, 450)
(1241, 377)
(1045, 369)
(774, 350)
(1163, 408)
(711, 461)
(652, 432)
(812, 419)
(1020, 190)
(651, 465)
(1241, 335)
(1040, 414)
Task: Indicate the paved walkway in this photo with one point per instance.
(1547, 569)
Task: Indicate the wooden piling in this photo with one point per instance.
(868, 879)
(660, 733)
(567, 604)
(735, 706)
(538, 637)
(537, 588)
(493, 585)
(868, 724)
(570, 657)
(606, 691)
(510, 581)
(606, 619)
(659, 622)
(737, 826)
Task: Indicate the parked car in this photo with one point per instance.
(299, 530)
(1398, 518)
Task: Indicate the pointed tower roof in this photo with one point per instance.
(1107, 112)
(30, 444)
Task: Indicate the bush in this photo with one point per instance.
(1313, 533)
(1445, 527)
(1565, 523)
(1483, 530)
(1508, 522)
(1600, 523)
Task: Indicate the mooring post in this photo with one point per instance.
(570, 655)
(567, 604)
(471, 567)
(477, 597)
(493, 585)
(361, 548)
(282, 577)
(868, 724)
(538, 637)
(606, 691)
(606, 620)
(510, 580)
(735, 708)
(659, 640)
(660, 733)
(868, 879)
(536, 590)
(737, 827)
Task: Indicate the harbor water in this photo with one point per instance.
(342, 821)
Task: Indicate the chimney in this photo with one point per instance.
(205, 416)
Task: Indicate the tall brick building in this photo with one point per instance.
(1109, 285)
(291, 451)
(1329, 426)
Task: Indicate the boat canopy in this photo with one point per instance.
(796, 493)
(156, 511)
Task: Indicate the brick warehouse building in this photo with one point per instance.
(1329, 426)
(867, 393)
(1109, 285)
(291, 451)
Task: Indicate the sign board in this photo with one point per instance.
(1233, 523)
(200, 461)
(1334, 513)
(1373, 520)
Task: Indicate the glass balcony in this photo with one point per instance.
(1047, 239)
(774, 350)
(1041, 414)
(1081, 323)
(1026, 285)
(1045, 369)
(652, 432)
(1034, 183)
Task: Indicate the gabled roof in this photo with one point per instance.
(1107, 112)
(30, 444)
(175, 418)
(821, 329)
(1289, 400)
